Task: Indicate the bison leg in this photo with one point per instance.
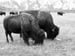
(25, 38)
(26, 41)
(7, 36)
(11, 37)
(20, 35)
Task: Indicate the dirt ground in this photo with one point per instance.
(63, 47)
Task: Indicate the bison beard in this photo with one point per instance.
(46, 23)
(26, 25)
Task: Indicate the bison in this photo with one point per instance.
(2, 13)
(60, 13)
(45, 21)
(26, 25)
(13, 13)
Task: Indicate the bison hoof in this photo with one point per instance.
(7, 41)
(12, 40)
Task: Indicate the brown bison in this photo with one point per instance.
(13, 13)
(2, 13)
(60, 13)
(26, 25)
(45, 21)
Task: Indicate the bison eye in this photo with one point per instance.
(53, 29)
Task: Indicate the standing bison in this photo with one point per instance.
(2, 13)
(13, 13)
(60, 13)
(45, 22)
(26, 25)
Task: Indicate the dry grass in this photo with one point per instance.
(63, 47)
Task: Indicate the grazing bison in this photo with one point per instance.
(26, 25)
(60, 13)
(45, 22)
(2, 13)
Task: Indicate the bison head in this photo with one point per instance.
(53, 33)
(40, 37)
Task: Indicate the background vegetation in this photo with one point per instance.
(37, 4)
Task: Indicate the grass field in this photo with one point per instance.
(63, 47)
